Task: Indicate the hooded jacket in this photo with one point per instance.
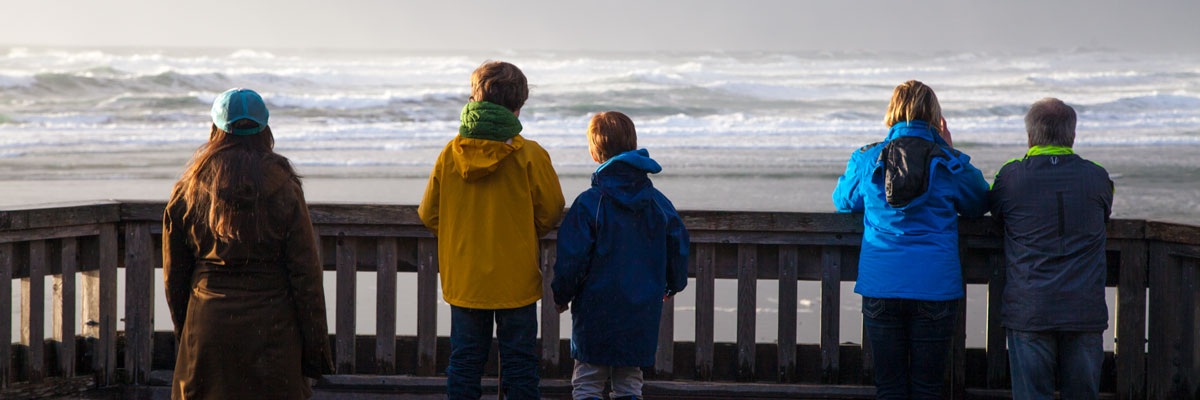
(249, 314)
(488, 202)
(911, 188)
(621, 248)
(1055, 206)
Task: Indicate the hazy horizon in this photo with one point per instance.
(616, 26)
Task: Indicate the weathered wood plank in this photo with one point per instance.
(788, 264)
(427, 285)
(55, 232)
(1131, 322)
(413, 231)
(705, 283)
(1162, 360)
(64, 307)
(7, 261)
(550, 317)
(997, 353)
(18, 218)
(746, 310)
(33, 311)
(347, 261)
(385, 306)
(831, 287)
(139, 301)
(1174, 233)
(664, 358)
(100, 306)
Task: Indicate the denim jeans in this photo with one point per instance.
(909, 343)
(471, 341)
(1038, 359)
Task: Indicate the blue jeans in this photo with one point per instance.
(471, 341)
(1038, 359)
(909, 343)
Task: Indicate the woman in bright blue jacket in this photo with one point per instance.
(911, 188)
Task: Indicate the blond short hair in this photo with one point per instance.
(914, 101)
(611, 133)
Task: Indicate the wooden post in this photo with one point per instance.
(1131, 322)
(347, 270)
(427, 285)
(705, 282)
(664, 359)
(831, 287)
(139, 301)
(997, 353)
(100, 307)
(64, 307)
(7, 263)
(746, 309)
(550, 328)
(33, 311)
(788, 264)
(385, 306)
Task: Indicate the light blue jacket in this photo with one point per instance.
(911, 251)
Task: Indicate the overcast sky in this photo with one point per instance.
(607, 25)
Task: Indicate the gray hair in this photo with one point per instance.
(1050, 122)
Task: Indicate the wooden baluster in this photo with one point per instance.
(831, 286)
(427, 302)
(705, 281)
(550, 327)
(385, 306)
(100, 307)
(139, 301)
(997, 353)
(746, 310)
(664, 359)
(7, 263)
(64, 307)
(1131, 322)
(788, 264)
(958, 343)
(347, 270)
(33, 311)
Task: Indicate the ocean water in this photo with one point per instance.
(734, 130)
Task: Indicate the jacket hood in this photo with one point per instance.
(623, 178)
(919, 129)
(477, 158)
(489, 121)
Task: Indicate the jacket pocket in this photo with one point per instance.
(936, 310)
(874, 307)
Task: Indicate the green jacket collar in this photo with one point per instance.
(1049, 151)
(488, 121)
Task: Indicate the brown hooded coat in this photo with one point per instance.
(249, 315)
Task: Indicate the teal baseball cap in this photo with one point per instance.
(239, 104)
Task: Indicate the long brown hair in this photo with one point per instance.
(226, 183)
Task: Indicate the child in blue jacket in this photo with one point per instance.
(622, 250)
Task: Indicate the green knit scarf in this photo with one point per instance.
(489, 121)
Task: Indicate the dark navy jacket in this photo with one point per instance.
(1055, 206)
(621, 248)
(911, 188)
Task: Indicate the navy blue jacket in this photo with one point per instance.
(1055, 206)
(621, 248)
(911, 188)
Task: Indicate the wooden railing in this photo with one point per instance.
(95, 240)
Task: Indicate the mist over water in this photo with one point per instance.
(138, 113)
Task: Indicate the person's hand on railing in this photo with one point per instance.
(561, 308)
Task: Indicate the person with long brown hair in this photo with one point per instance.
(243, 280)
(911, 188)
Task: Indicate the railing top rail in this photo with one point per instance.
(112, 211)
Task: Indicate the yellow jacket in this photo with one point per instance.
(488, 202)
